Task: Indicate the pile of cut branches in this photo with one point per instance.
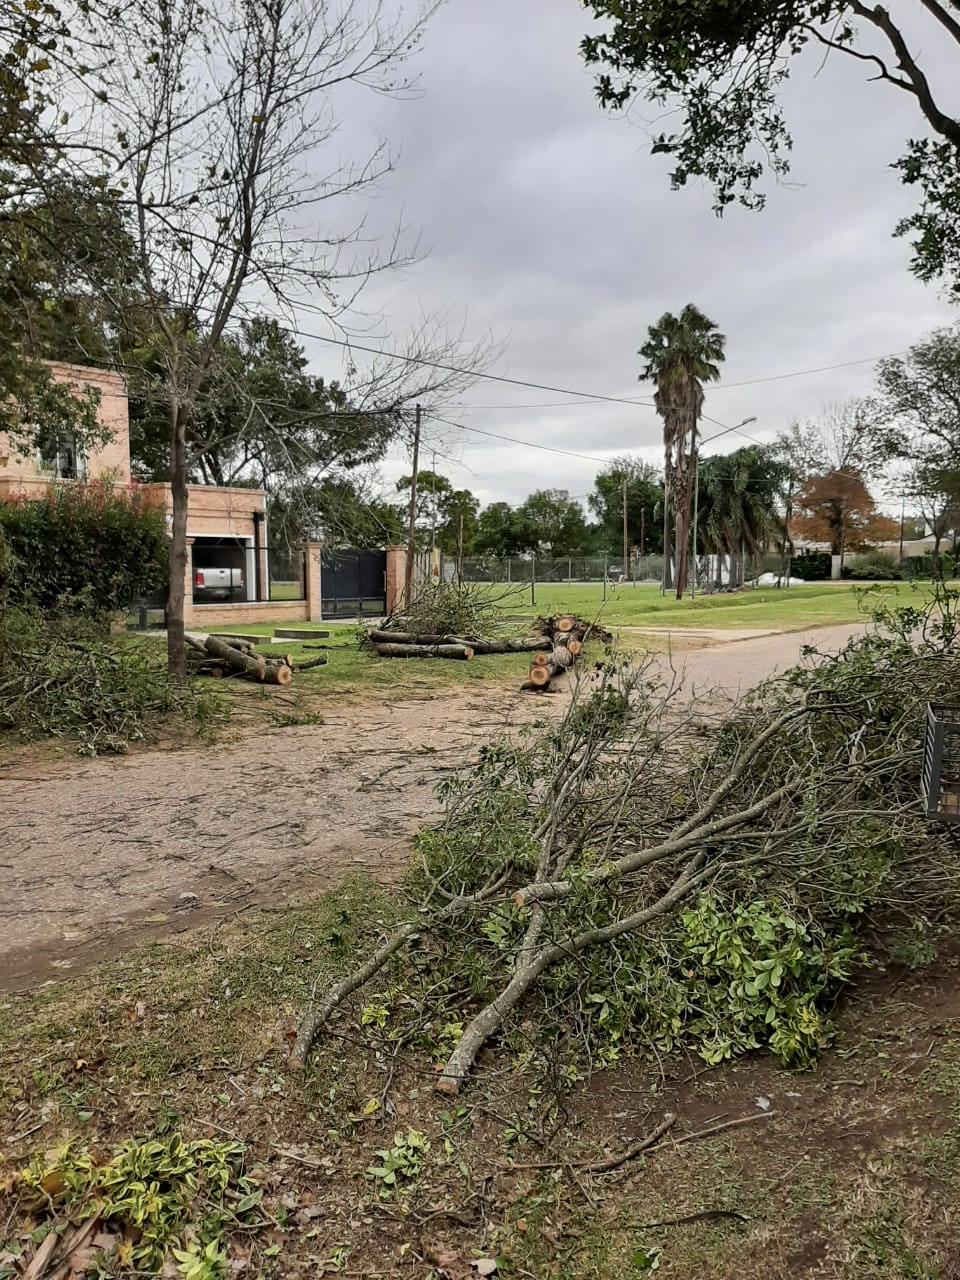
(632, 879)
(63, 678)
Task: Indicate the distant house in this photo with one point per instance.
(226, 527)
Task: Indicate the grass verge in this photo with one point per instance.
(852, 1171)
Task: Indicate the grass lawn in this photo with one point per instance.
(350, 668)
(794, 609)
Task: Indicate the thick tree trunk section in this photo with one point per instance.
(479, 647)
(461, 651)
(176, 654)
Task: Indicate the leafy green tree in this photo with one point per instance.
(337, 511)
(918, 401)
(260, 414)
(555, 523)
(448, 515)
(502, 532)
(644, 504)
(721, 68)
(66, 267)
(680, 354)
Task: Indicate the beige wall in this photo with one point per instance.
(22, 474)
(217, 512)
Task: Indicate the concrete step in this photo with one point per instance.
(299, 633)
(235, 635)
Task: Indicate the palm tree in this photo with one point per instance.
(681, 353)
(740, 497)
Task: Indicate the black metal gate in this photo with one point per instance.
(353, 583)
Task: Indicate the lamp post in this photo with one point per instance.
(696, 493)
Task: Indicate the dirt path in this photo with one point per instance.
(95, 853)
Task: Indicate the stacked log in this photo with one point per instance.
(221, 657)
(566, 634)
(409, 644)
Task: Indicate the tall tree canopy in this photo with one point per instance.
(555, 523)
(260, 414)
(741, 494)
(680, 354)
(720, 68)
(644, 504)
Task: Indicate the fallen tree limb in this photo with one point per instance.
(461, 651)
(713, 1129)
(480, 647)
(314, 662)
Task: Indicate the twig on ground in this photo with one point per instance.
(611, 1162)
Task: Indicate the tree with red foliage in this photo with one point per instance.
(835, 506)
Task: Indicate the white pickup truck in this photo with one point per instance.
(218, 584)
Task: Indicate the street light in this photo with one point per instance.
(696, 492)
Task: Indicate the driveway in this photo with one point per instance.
(95, 854)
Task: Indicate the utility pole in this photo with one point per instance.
(433, 520)
(626, 543)
(696, 513)
(903, 509)
(412, 531)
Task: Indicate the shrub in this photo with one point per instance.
(812, 566)
(85, 548)
(64, 680)
(929, 566)
(872, 566)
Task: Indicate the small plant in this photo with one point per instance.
(160, 1196)
(402, 1163)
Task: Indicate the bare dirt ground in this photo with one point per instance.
(96, 853)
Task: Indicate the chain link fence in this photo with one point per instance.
(573, 569)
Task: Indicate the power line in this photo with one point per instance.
(452, 368)
(803, 373)
(527, 444)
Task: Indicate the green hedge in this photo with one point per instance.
(872, 566)
(927, 567)
(88, 549)
(812, 566)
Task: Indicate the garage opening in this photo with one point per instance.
(224, 570)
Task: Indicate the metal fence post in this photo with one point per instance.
(533, 580)
(604, 577)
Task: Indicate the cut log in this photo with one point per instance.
(253, 668)
(574, 646)
(564, 622)
(539, 676)
(314, 662)
(528, 644)
(523, 644)
(412, 637)
(243, 643)
(464, 652)
(561, 658)
(541, 659)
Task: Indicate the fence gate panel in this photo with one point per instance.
(353, 583)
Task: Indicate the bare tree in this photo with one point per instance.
(221, 120)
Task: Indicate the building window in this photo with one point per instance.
(60, 455)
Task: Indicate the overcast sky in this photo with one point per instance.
(548, 224)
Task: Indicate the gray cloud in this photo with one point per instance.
(550, 225)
